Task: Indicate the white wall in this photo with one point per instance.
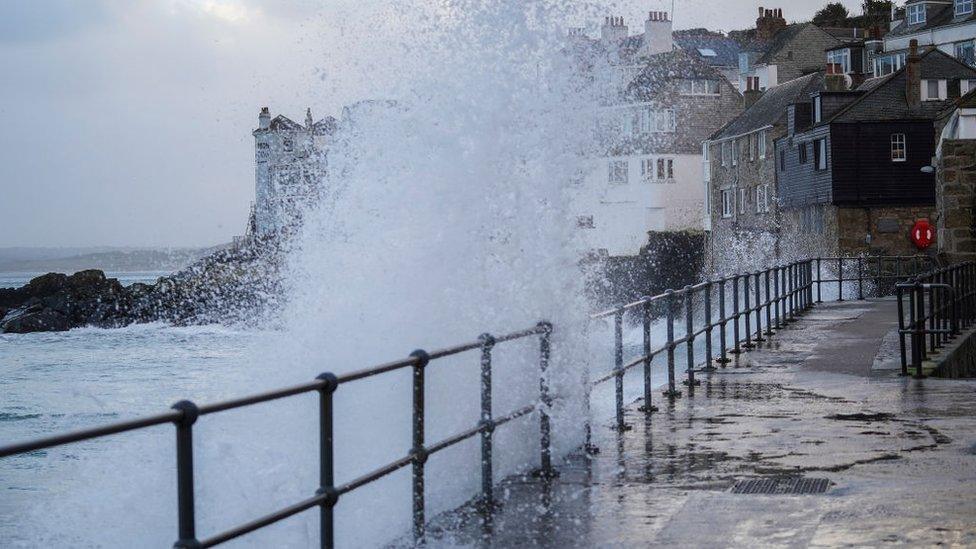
(942, 37)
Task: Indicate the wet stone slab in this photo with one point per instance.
(898, 455)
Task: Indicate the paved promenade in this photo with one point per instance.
(819, 400)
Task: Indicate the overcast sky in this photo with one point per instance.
(127, 122)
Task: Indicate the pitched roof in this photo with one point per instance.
(770, 109)
(726, 49)
(282, 122)
(660, 69)
(768, 49)
(936, 16)
(887, 100)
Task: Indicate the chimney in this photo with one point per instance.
(752, 93)
(913, 76)
(308, 119)
(769, 23)
(658, 33)
(613, 29)
(264, 119)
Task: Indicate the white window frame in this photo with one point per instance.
(941, 90)
(915, 14)
(700, 87)
(728, 203)
(966, 86)
(735, 152)
(726, 153)
(820, 154)
(897, 61)
(613, 172)
(762, 198)
(752, 147)
(742, 200)
(959, 48)
(842, 58)
(762, 145)
(899, 147)
(963, 7)
(647, 169)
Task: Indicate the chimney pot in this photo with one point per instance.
(761, 11)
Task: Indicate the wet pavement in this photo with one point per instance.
(819, 400)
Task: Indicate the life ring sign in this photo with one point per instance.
(922, 234)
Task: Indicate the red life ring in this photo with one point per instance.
(922, 234)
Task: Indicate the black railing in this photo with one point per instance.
(184, 415)
(761, 303)
(941, 304)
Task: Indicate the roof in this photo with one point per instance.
(887, 101)
(282, 122)
(967, 101)
(768, 49)
(770, 109)
(326, 126)
(726, 49)
(660, 69)
(936, 15)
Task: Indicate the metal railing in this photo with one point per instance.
(760, 303)
(941, 304)
(184, 415)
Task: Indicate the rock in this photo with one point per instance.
(46, 285)
(34, 319)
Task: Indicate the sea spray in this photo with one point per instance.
(446, 213)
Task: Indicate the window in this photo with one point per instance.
(735, 152)
(728, 208)
(782, 161)
(742, 201)
(619, 172)
(647, 169)
(647, 120)
(762, 199)
(709, 52)
(700, 87)
(965, 51)
(888, 64)
(898, 148)
(817, 110)
(934, 90)
(288, 145)
(966, 86)
(752, 147)
(842, 58)
(726, 153)
(762, 144)
(916, 14)
(802, 153)
(964, 7)
(820, 154)
(585, 222)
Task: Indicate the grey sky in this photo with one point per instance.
(127, 122)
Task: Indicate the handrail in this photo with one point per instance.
(185, 413)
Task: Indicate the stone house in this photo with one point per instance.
(289, 164)
(741, 178)
(854, 170)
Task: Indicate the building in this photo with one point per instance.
(664, 103)
(854, 170)
(949, 25)
(741, 178)
(779, 52)
(715, 49)
(955, 190)
(290, 163)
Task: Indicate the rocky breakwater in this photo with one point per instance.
(234, 285)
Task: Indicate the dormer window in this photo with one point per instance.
(964, 7)
(842, 58)
(934, 90)
(916, 14)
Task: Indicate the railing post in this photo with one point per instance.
(545, 350)
(790, 296)
(840, 279)
(690, 336)
(810, 283)
(418, 452)
(769, 305)
(648, 407)
(901, 324)
(672, 391)
(933, 320)
(709, 364)
(735, 315)
(488, 426)
(777, 300)
(747, 311)
(184, 474)
(819, 282)
(918, 325)
(759, 332)
(618, 367)
(724, 359)
(860, 277)
(327, 462)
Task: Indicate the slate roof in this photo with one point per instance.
(660, 69)
(887, 101)
(770, 109)
(326, 126)
(282, 122)
(768, 49)
(935, 16)
(726, 49)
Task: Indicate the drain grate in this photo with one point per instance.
(784, 485)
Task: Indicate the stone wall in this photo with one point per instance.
(889, 229)
(956, 200)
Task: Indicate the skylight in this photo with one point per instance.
(707, 52)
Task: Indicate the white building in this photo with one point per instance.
(949, 25)
(666, 102)
(290, 163)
